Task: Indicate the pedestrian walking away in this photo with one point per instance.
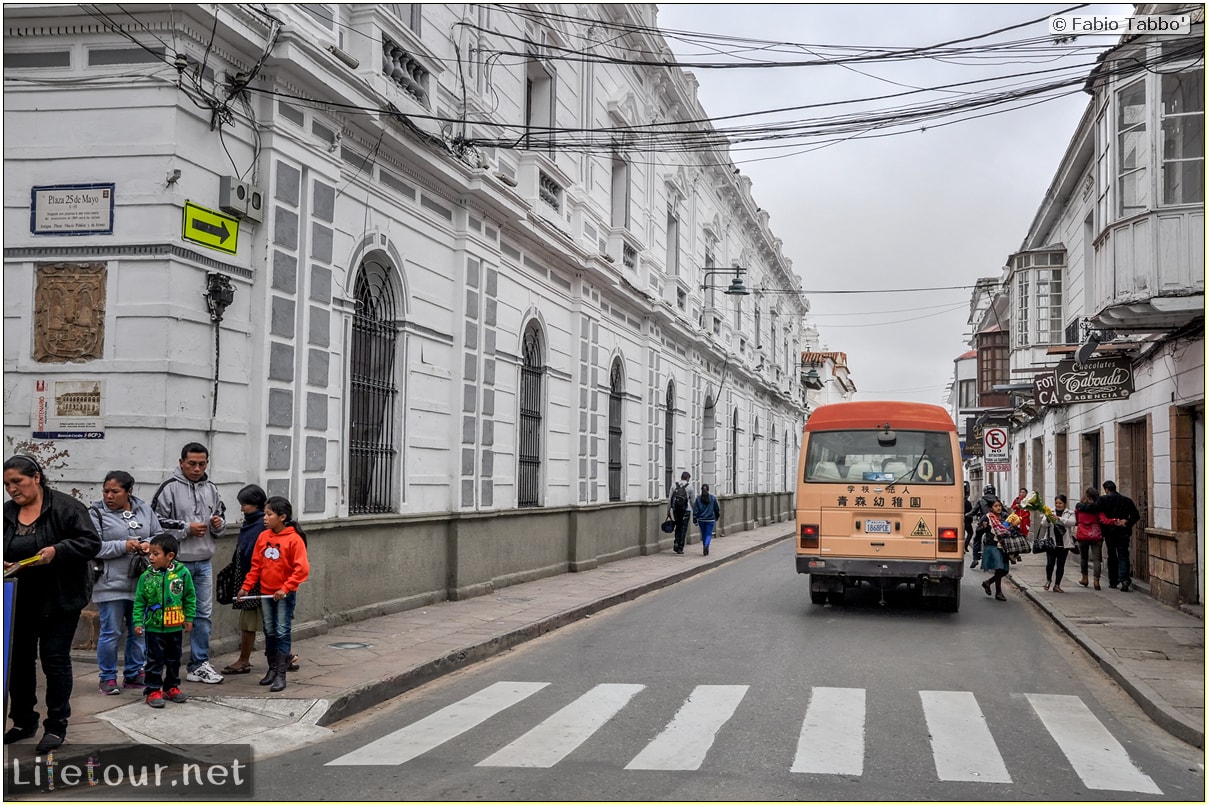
(125, 524)
(165, 604)
(680, 505)
(1124, 514)
(706, 514)
(1090, 521)
(49, 542)
(191, 510)
(279, 566)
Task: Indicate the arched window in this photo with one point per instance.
(529, 424)
(616, 412)
(734, 453)
(753, 466)
(785, 463)
(372, 391)
(669, 436)
(709, 444)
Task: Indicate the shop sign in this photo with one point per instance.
(1097, 379)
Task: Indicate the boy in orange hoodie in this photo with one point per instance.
(279, 564)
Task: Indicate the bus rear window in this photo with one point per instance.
(856, 457)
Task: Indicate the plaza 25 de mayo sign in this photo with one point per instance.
(1072, 382)
(995, 449)
(71, 209)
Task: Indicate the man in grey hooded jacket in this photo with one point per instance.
(191, 510)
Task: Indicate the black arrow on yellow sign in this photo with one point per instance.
(205, 226)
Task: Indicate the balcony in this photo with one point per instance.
(404, 70)
(1150, 271)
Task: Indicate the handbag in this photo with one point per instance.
(138, 565)
(227, 583)
(1044, 541)
(669, 525)
(1014, 543)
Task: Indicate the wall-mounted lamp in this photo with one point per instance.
(219, 295)
(172, 176)
(1091, 343)
(736, 287)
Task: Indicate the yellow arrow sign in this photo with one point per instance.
(209, 228)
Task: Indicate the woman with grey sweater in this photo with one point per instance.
(125, 524)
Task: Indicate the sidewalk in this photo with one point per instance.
(1156, 653)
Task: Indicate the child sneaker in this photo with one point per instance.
(109, 687)
(138, 681)
(176, 695)
(156, 699)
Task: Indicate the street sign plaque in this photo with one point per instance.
(210, 228)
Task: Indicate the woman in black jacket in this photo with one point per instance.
(48, 541)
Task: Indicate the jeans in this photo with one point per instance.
(1055, 565)
(114, 616)
(681, 530)
(163, 661)
(707, 532)
(1118, 559)
(1094, 550)
(199, 641)
(48, 635)
(278, 620)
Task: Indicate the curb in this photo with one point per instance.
(1146, 697)
(360, 698)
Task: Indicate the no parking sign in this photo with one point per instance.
(995, 450)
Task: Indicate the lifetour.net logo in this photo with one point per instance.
(131, 771)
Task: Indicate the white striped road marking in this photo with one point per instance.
(555, 739)
(1099, 759)
(688, 737)
(962, 746)
(453, 720)
(833, 734)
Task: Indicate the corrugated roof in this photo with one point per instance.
(840, 359)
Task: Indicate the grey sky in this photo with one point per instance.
(920, 209)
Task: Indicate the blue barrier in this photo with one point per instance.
(10, 598)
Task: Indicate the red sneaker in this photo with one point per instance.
(176, 695)
(156, 699)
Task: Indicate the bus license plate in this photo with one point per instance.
(877, 527)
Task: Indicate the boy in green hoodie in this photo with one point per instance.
(165, 603)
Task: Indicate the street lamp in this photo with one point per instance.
(736, 287)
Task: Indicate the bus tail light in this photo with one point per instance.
(948, 539)
(810, 536)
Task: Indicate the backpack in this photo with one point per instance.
(679, 499)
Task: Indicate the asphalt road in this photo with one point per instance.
(732, 686)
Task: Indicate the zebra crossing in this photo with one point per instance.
(832, 739)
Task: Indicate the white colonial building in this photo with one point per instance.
(408, 264)
(1099, 316)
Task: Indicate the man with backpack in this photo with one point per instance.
(680, 506)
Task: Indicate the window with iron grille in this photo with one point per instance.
(372, 392)
(616, 401)
(669, 436)
(529, 436)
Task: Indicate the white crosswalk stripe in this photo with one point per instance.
(962, 746)
(833, 734)
(553, 740)
(685, 741)
(833, 739)
(419, 737)
(1098, 758)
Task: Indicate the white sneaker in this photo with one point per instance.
(204, 674)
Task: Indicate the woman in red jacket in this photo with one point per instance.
(1088, 520)
(280, 565)
(1018, 509)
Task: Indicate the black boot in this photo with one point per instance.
(281, 663)
(271, 674)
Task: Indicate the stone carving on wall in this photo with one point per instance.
(69, 312)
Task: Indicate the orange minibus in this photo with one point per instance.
(880, 501)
